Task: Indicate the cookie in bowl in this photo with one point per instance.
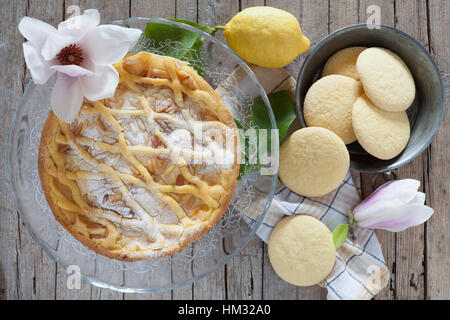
(145, 173)
(329, 102)
(382, 134)
(343, 62)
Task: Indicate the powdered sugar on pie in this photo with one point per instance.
(143, 174)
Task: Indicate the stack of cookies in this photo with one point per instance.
(363, 95)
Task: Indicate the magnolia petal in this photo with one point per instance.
(403, 190)
(407, 216)
(66, 98)
(418, 199)
(40, 69)
(72, 70)
(379, 211)
(54, 44)
(107, 44)
(35, 31)
(102, 84)
(78, 26)
(385, 210)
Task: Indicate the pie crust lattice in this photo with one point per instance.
(129, 148)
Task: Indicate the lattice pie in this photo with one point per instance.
(145, 173)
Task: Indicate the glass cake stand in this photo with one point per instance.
(224, 71)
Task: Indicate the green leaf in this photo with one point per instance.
(244, 155)
(160, 33)
(283, 109)
(340, 235)
(187, 44)
(284, 113)
(245, 167)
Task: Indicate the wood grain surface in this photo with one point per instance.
(418, 258)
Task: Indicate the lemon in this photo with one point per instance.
(266, 36)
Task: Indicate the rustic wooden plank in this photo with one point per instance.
(387, 239)
(410, 16)
(18, 253)
(244, 272)
(251, 3)
(108, 12)
(184, 9)
(343, 13)
(37, 271)
(356, 176)
(437, 229)
(273, 286)
(11, 88)
(313, 17)
(315, 26)
(387, 9)
(152, 9)
(214, 13)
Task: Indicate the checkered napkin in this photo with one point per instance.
(360, 271)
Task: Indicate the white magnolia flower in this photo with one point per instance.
(82, 52)
(395, 206)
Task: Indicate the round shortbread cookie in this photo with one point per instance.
(343, 62)
(329, 103)
(386, 79)
(301, 250)
(313, 161)
(381, 133)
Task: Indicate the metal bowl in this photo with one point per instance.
(427, 110)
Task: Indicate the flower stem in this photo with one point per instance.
(216, 28)
(351, 225)
(351, 233)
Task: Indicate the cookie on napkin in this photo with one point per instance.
(313, 161)
(301, 250)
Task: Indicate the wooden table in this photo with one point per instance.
(418, 258)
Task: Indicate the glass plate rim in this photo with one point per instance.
(101, 284)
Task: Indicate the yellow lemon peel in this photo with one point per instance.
(266, 36)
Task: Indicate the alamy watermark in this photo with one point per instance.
(374, 18)
(222, 147)
(377, 278)
(73, 278)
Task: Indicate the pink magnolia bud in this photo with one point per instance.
(395, 206)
